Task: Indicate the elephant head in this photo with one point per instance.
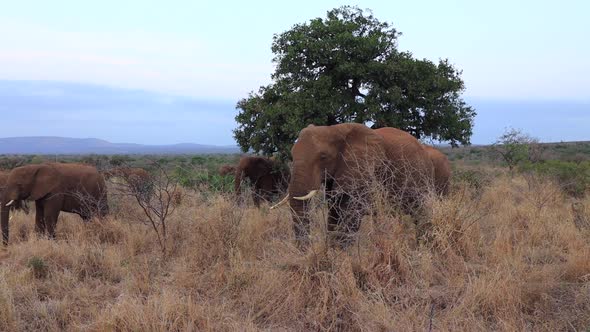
(17, 205)
(31, 183)
(330, 156)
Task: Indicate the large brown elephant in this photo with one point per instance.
(54, 187)
(442, 170)
(17, 205)
(266, 175)
(337, 157)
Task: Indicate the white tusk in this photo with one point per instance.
(9, 219)
(283, 201)
(10, 203)
(306, 197)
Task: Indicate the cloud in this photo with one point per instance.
(130, 59)
(118, 115)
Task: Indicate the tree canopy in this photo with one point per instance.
(347, 68)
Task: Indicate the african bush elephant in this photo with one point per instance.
(227, 169)
(442, 170)
(340, 156)
(266, 175)
(54, 187)
(17, 205)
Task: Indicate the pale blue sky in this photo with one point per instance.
(215, 50)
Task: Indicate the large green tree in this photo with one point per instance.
(347, 68)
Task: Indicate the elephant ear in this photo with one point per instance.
(45, 180)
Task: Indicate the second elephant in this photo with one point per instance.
(266, 175)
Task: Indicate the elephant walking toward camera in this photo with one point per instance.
(266, 175)
(340, 157)
(54, 187)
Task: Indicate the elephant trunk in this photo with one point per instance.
(301, 221)
(303, 182)
(4, 216)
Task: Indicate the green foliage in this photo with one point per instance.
(201, 178)
(38, 267)
(118, 160)
(219, 183)
(573, 177)
(514, 147)
(101, 162)
(37, 160)
(187, 177)
(346, 68)
(198, 160)
(476, 178)
(10, 162)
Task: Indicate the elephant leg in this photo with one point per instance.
(344, 221)
(4, 216)
(39, 217)
(51, 209)
(256, 195)
(413, 207)
(51, 216)
(25, 207)
(301, 224)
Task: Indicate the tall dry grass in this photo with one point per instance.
(512, 256)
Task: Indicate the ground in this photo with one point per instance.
(511, 254)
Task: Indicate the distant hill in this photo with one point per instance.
(66, 145)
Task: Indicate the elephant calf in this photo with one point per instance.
(54, 187)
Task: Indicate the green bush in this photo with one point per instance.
(199, 178)
(39, 267)
(476, 178)
(37, 159)
(220, 183)
(574, 178)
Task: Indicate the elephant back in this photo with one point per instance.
(408, 156)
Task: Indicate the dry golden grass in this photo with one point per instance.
(513, 257)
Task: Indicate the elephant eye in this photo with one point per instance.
(323, 156)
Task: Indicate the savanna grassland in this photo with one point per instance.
(505, 251)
